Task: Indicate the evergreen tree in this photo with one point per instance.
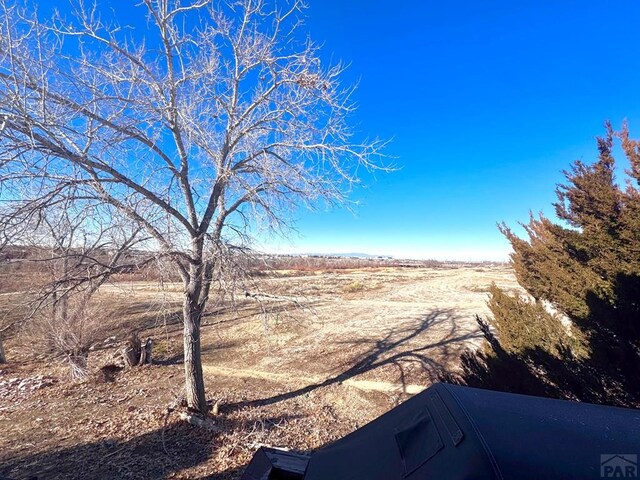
(577, 334)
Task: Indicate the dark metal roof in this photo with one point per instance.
(451, 432)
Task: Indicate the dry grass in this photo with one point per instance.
(292, 370)
(355, 286)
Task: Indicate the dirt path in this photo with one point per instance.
(385, 327)
(299, 376)
(303, 381)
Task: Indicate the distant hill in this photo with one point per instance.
(346, 255)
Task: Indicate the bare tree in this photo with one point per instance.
(204, 126)
(77, 246)
(69, 250)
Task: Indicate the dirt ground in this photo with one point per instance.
(307, 360)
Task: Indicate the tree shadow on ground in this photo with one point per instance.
(397, 348)
(530, 371)
(155, 455)
(609, 375)
(175, 359)
(148, 313)
(178, 358)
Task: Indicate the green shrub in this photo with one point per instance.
(579, 336)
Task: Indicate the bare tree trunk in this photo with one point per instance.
(194, 380)
(3, 358)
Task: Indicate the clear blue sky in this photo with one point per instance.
(486, 103)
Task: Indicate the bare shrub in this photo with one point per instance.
(353, 287)
(66, 331)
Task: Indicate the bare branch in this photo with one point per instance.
(186, 134)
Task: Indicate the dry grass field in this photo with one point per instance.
(310, 358)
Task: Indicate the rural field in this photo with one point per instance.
(305, 358)
(164, 164)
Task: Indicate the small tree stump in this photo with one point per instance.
(136, 353)
(130, 356)
(146, 352)
(131, 351)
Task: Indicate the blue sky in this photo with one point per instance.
(486, 103)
